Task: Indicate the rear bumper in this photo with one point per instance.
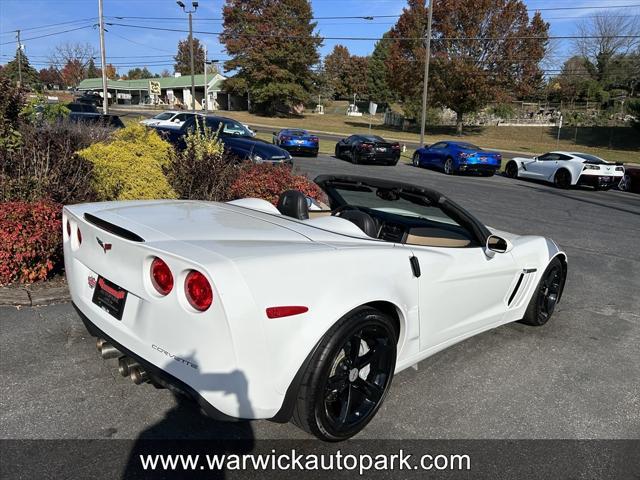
(300, 148)
(478, 167)
(603, 181)
(159, 375)
(379, 158)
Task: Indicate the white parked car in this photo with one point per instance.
(168, 119)
(565, 169)
(214, 299)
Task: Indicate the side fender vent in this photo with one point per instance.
(515, 290)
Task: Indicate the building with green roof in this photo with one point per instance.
(175, 92)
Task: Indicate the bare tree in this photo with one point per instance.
(606, 37)
(72, 54)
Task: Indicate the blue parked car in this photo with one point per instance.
(458, 157)
(236, 138)
(298, 141)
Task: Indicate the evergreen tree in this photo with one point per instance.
(378, 73)
(30, 76)
(183, 57)
(92, 71)
(273, 49)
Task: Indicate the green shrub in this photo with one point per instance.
(11, 102)
(129, 166)
(39, 110)
(202, 171)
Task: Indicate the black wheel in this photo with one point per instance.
(415, 160)
(393, 163)
(511, 170)
(348, 377)
(545, 298)
(625, 183)
(562, 178)
(337, 153)
(489, 173)
(448, 166)
(354, 157)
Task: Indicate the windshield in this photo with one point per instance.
(373, 138)
(296, 133)
(164, 116)
(392, 201)
(590, 158)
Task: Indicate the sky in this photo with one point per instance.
(128, 47)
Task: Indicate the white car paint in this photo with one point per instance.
(167, 119)
(546, 166)
(240, 361)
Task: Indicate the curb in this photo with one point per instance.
(34, 295)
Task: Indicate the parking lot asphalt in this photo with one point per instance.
(576, 377)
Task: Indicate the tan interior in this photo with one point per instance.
(435, 237)
(319, 213)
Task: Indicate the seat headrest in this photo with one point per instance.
(293, 203)
(363, 220)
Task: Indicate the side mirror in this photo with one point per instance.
(496, 244)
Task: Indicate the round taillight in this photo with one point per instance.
(198, 291)
(161, 276)
(79, 236)
(68, 229)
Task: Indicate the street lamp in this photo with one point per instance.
(206, 83)
(193, 81)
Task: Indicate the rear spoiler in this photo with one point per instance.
(113, 229)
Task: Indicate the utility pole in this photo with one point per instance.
(193, 81)
(103, 62)
(206, 85)
(19, 59)
(426, 74)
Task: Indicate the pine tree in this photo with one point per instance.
(183, 57)
(92, 71)
(273, 49)
(30, 76)
(378, 73)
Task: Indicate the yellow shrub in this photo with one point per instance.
(129, 166)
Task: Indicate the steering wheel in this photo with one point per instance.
(342, 208)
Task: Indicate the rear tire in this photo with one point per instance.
(562, 179)
(348, 376)
(337, 153)
(354, 157)
(511, 170)
(546, 296)
(415, 160)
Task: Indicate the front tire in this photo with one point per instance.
(348, 376)
(337, 153)
(511, 170)
(415, 160)
(545, 298)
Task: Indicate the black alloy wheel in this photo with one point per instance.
(562, 178)
(348, 377)
(415, 160)
(511, 170)
(544, 300)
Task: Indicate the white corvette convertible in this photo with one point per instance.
(565, 169)
(302, 312)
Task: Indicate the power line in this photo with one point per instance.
(51, 34)
(258, 35)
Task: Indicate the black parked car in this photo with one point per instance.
(237, 139)
(77, 107)
(368, 148)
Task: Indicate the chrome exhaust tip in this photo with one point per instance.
(126, 365)
(139, 375)
(99, 343)
(109, 351)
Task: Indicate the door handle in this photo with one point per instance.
(415, 266)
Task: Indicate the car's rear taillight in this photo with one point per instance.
(79, 234)
(396, 146)
(198, 291)
(366, 146)
(314, 139)
(161, 276)
(284, 138)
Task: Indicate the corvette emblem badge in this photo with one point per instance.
(92, 282)
(105, 246)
